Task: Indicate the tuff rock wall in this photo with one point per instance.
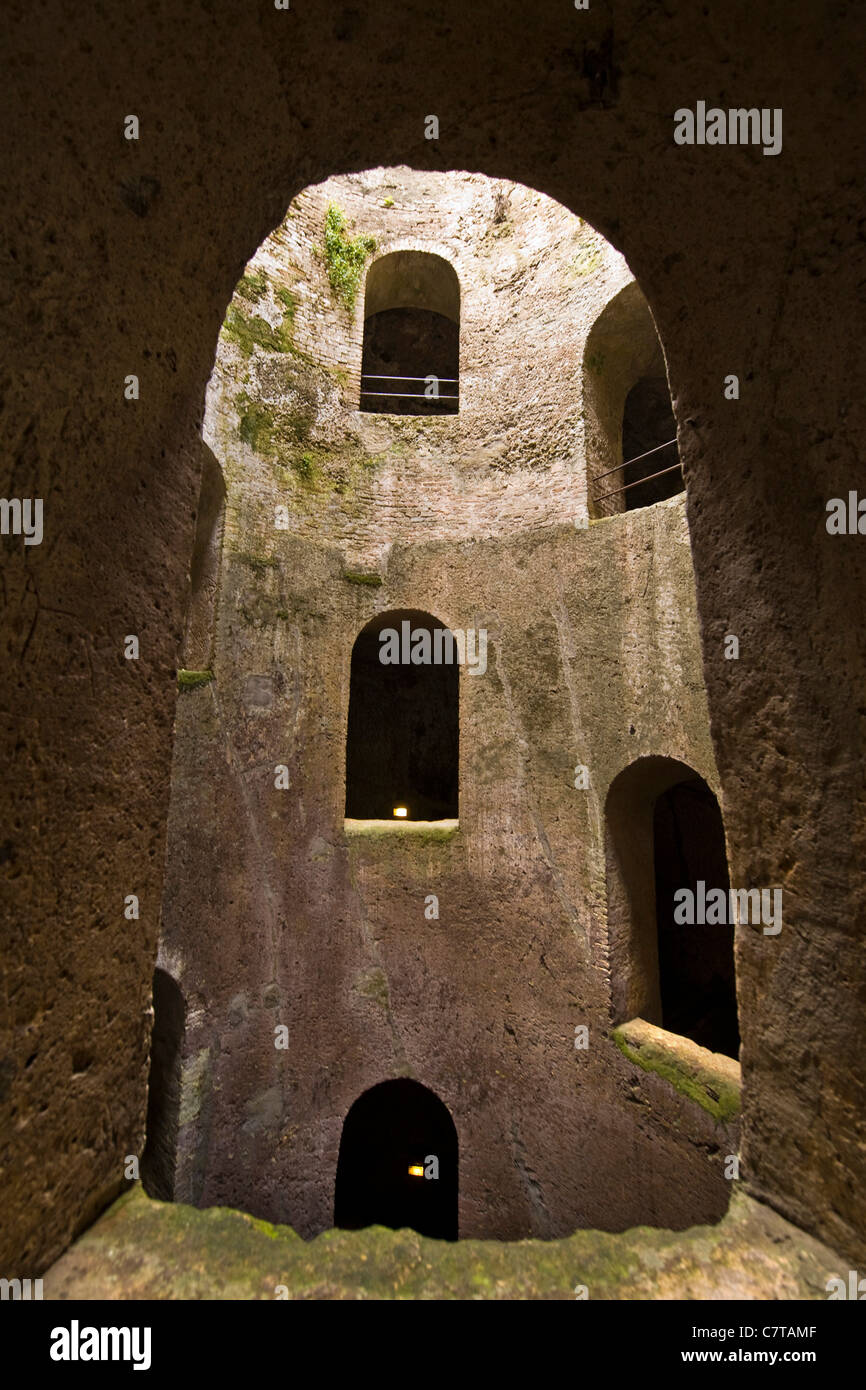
(275, 912)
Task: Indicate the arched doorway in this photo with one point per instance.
(696, 960)
(403, 729)
(411, 354)
(398, 1162)
(631, 435)
(665, 834)
(648, 427)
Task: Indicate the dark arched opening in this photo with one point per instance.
(411, 353)
(163, 1093)
(696, 959)
(403, 730)
(398, 1162)
(648, 426)
(631, 433)
(664, 835)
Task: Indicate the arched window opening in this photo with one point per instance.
(398, 1162)
(411, 353)
(696, 960)
(403, 729)
(159, 1159)
(631, 444)
(664, 835)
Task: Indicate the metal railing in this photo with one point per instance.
(637, 482)
(368, 377)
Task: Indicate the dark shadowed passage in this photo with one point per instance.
(398, 1162)
(403, 728)
(163, 1095)
(648, 422)
(696, 961)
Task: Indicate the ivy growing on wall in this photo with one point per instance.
(345, 256)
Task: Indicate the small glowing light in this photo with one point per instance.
(416, 1170)
(400, 811)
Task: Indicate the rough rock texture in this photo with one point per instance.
(274, 915)
(282, 412)
(144, 1249)
(710, 1079)
(122, 256)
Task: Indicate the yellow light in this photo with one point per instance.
(400, 811)
(416, 1171)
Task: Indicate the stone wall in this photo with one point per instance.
(275, 912)
(287, 378)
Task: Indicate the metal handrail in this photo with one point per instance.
(637, 458)
(378, 376)
(408, 396)
(638, 481)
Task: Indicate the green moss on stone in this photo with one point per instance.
(250, 331)
(706, 1085)
(358, 577)
(267, 1228)
(345, 256)
(587, 260)
(252, 286)
(260, 563)
(144, 1249)
(374, 985)
(256, 427)
(306, 468)
(288, 301)
(190, 680)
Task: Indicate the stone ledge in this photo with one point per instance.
(709, 1078)
(143, 1249)
(433, 831)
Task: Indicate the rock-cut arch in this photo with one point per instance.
(402, 737)
(398, 1162)
(664, 832)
